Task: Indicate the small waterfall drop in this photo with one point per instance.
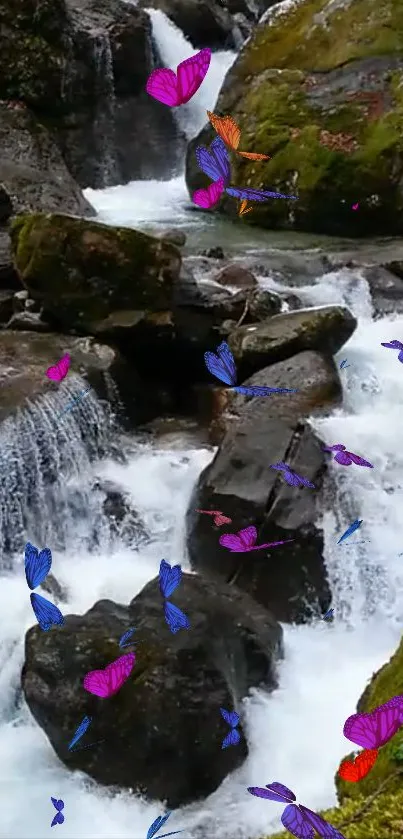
(104, 120)
(173, 47)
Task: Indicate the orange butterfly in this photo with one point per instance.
(243, 210)
(355, 770)
(230, 132)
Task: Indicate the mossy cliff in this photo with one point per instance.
(320, 66)
(367, 813)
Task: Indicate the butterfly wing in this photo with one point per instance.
(96, 682)
(294, 821)
(362, 729)
(253, 155)
(222, 365)
(359, 461)
(285, 793)
(338, 447)
(37, 565)
(244, 209)
(356, 770)
(169, 578)
(60, 369)
(227, 359)
(46, 612)
(271, 544)
(214, 163)
(343, 458)
(207, 198)
(226, 128)
(232, 542)
(156, 826)
(248, 537)
(57, 819)
(326, 830)
(125, 637)
(260, 792)
(303, 481)
(190, 74)
(220, 520)
(281, 466)
(230, 717)
(232, 739)
(82, 728)
(256, 194)
(393, 345)
(400, 356)
(118, 671)
(262, 391)
(163, 86)
(175, 618)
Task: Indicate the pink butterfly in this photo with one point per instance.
(60, 369)
(355, 206)
(176, 89)
(219, 518)
(107, 682)
(206, 198)
(373, 730)
(346, 458)
(245, 541)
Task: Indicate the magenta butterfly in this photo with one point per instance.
(60, 369)
(373, 730)
(293, 480)
(223, 367)
(219, 518)
(299, 820)
(176, 89)
(107, 682)
(346, 458)
(216, 164)
(245, 541)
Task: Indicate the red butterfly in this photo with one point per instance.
(219, 518)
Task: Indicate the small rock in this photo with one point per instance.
(214, 253)
(236, 275)
(174, 236)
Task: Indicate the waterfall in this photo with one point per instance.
(104, 121)
(43, 458)
(173, 47)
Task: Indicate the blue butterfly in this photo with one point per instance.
(59, 817)
(125, 637)
(169, 579)
(353, 527)
(215, 163)
(46, 612)
(233, 737)
(328, 614)
(37, 565)
(223, 367)
(81, 730)
(156, 826)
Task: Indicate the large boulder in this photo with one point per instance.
(84, 273)
(82, 66)
(312, 67)
(168, 712)
(292, 583)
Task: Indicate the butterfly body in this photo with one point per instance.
(245, 541)
(59, 817)
(59, 370)
(233, 737)
(291, 477)
(223, 367)
(169, 579)
(105, 683)
(297, 819)
(346, 458)
(177, 89)
(395, 345)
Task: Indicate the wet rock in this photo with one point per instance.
(291, 579)
(85, 273)
(19, 300)
(6, 207)
(325, 329)
(205, 23)
(53, 587)
(174, 236)
(28, 322)
(124, 522)
(214, 253)
(236, 275)
(6, 304)
(233, 644)
(9, 277)
(386, 289)
(35, 176)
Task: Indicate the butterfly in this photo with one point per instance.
(395, 345)
(216, 164)
(107, 682)
(353, 527)
(245, 540)
(219, 518)
(59, 817)
(233, 737)
(343, 364)
(230, 132)
(297, 819)
(176, 89)
(355, 206)
(37, 567)
(80, 731)
(346, 458)
(355, 770)
(242, 209)
(328, 614)
(373, 730)
(223, 367)
(169, 579)
(124, 640)
(59, 370)
(156, 826)
(291, 477)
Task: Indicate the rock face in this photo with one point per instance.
(314, 67)
(290, 580)
(84, 273)
(176, 688)
(82, 66)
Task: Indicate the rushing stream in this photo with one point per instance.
(295, 734)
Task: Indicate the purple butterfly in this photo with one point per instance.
(299, 820)
(373, 730)
(233, 737)
(59, 805)
(245, 541)
(291, 477)
(395, 345)
(346, 458)
(223, 367)
(215, 163)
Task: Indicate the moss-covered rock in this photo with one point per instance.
(320, 66)
(82, 272)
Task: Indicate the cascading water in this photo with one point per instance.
(104, 120)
